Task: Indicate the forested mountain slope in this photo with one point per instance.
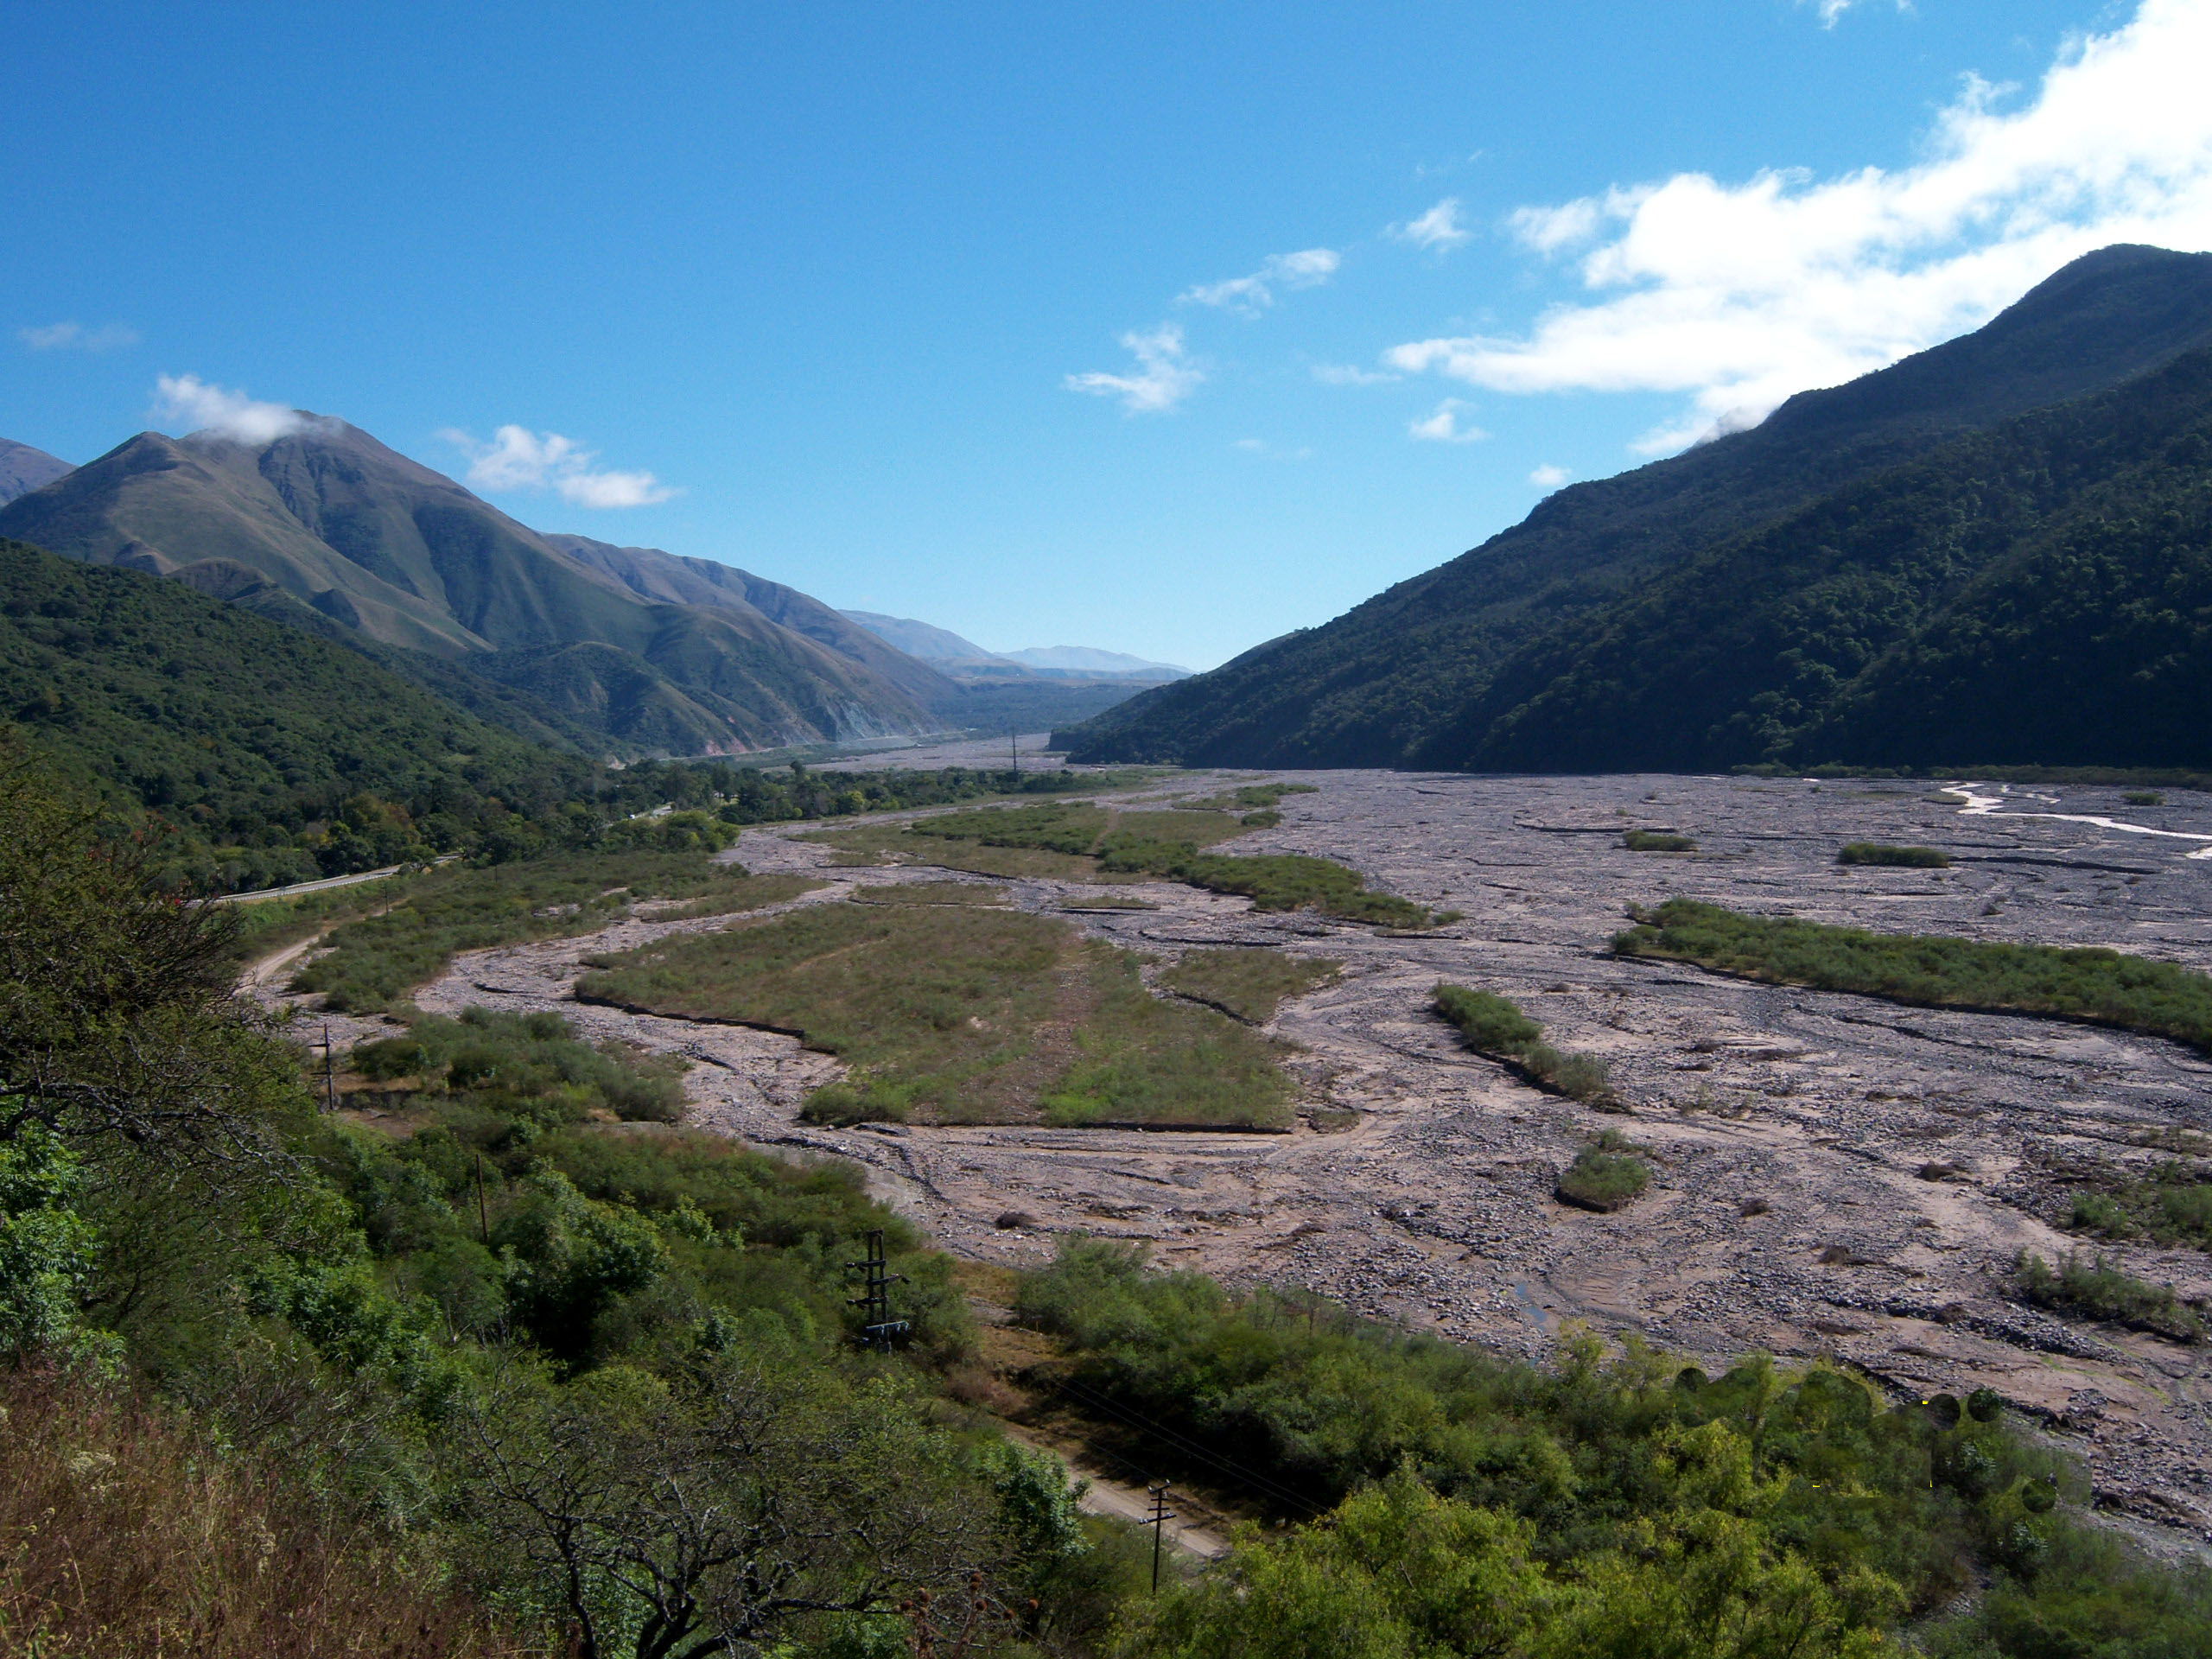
(1420, 674)
(333, 520)
(2040, 593)
(229, 725)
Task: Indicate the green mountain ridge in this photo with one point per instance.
(384, 547)
(234, 727)
(1456, 667)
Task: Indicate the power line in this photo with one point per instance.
(1136, 1420)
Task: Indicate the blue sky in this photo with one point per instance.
(1159, 327)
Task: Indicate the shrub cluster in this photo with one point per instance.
(1442, 1501)
(1495, 1026)
(1605, 1175)
(1658, 841)
(2090, 984)
(1911, 858)
(2095, 1288)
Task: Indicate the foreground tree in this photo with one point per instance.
(758, 1499)
(117, 1017)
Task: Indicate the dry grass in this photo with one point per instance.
(889, 843)
(123, 1534)
(749, 893)
(958, 1013)
(930, 892)
(1248, 984)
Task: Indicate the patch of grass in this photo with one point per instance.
(1272, 881)
(959, 1014)
(1140, 1060)
(929, 892)
(2095, 1288)
(2092, 984)
(2173, 1206)
(1248, 984)
(1606, 1175)
(1490, 1025)
(1658, 841)
(1093, 839)
(375, 962)
(1911, 858)
(2142, 797)
(890, 843)
(753, 892)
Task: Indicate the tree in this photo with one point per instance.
(117, 1017)
(719, 1513)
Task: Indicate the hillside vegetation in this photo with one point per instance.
(1995, 551)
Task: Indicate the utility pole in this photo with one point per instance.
(330, 1071)
(1014, 750)
(1158, 1519)
(878, 1330)
(483, 1216)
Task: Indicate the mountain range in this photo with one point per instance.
(947, 651)
(1994, 550)
(561, 637)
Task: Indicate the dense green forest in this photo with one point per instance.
(1995, 551)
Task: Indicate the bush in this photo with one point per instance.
(1875, 851)
(1493, 1025)
(2142, 797)
(2097, 1290)
(1606, 1175)
(1658, 841)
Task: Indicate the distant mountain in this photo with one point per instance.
(921, 640)
(648, 650)
(1589, 635)
(1000, 691)
(23, 470)
(1082, 659)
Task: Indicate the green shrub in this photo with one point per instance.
(1658, 841)
(2090, 984)
(2142, 797)
(1875, 851)
(531, 1066)
(1493, 1025)
(1606, 1175)
(2098, 1289)
(2172, 1206)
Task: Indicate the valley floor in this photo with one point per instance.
(1418, 1184)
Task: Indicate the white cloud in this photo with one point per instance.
(200, 406)
(1742, 294)
(1252, 295)
(1348, 374)
(1443, 426)
(1164, 376)
(1439, 228)
(1261, 447)
(1832, 11)
(518, 458)
(1548, 477)
(75, 337)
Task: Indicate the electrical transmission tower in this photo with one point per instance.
(878, 1330)
(1158, 1519)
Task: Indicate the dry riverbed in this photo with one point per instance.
(1791, 1133)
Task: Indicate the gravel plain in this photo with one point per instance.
(1797, 1137)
